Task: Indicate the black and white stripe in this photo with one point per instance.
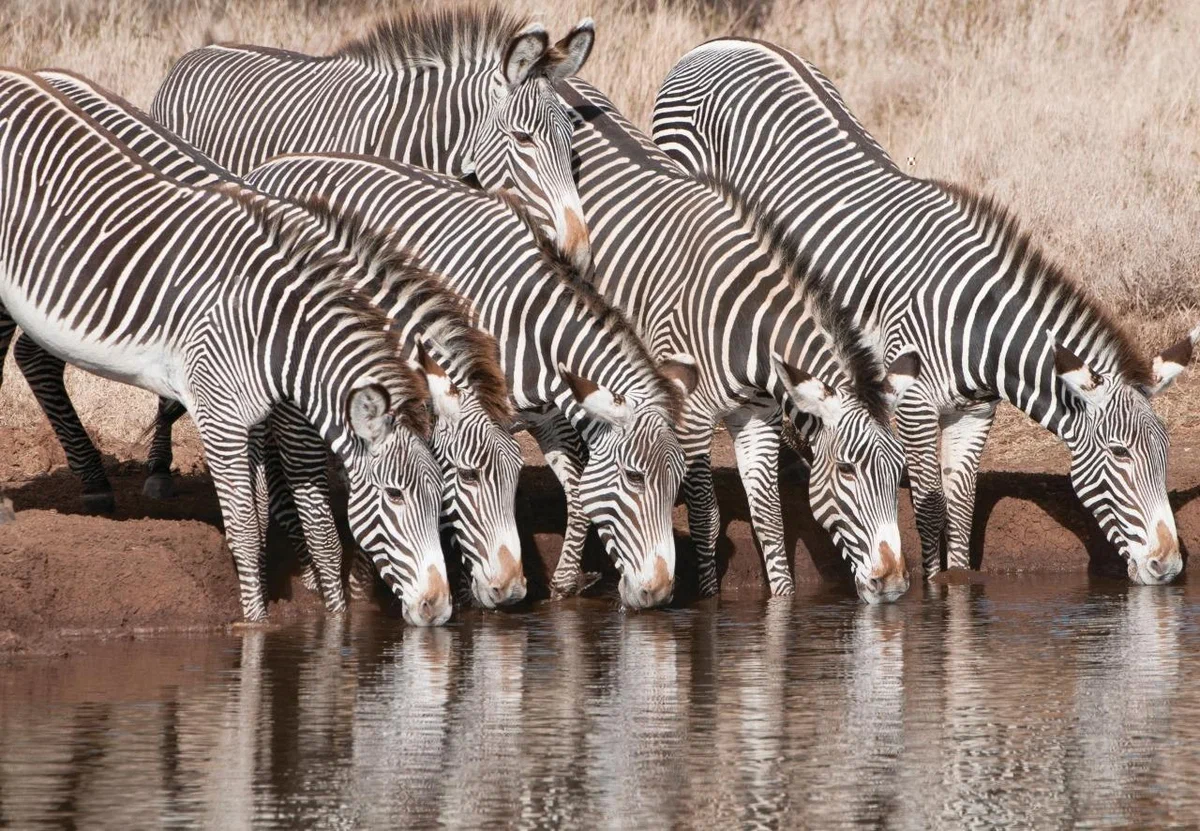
(924, 263)
(199, 296)
(463, 91)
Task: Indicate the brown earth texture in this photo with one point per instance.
(162, 565)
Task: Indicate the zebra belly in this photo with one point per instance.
(153, 365)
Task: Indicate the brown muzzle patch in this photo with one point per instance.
(510, 568)
(577, 233)
(438, 591)
(1166, 543)
(662, 576)
(890, 564)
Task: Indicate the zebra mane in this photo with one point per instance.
(994, 221)
(441, 38)
(330, 272)
(856, 357)
(611, 318)
(443, 315)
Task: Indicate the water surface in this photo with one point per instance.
(1045, 702)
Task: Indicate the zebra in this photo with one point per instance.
(108, 265)
(584, 384)
(468, 92)
(472, 441)
(698, 275)
(935, 265)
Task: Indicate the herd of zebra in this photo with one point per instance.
(438, 235)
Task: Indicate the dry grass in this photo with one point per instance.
(1082, 117)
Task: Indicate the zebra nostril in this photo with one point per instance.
(425, 610)
(875, 584)
(1157, 567)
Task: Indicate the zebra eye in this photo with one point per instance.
(469, 475)
(523, 138)
(395, 495)
(636, 477)
(847, 470)
(1120, 451)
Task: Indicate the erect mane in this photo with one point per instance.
(994, 221)
(330, 273)
(855, 356)
(611, 318)
(440, 38)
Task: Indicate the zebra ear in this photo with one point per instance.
(901, 375)
(1080, 379)
(523, 52)
(810, 394)
(443, 392)
(681, 369)
(570, 54)
(367, 412)
(1169, 363)
(596, 401)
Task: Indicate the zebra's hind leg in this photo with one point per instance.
(302, 455)
(8, 328)
(44, 373)
(278, 496)
(917, 418)
(964, 433)
(158, 484)
(704, 518)
(565, 453)
(756, 435)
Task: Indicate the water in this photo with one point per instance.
(1043, 702)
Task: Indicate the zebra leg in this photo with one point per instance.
(44, 373)
(564, 452)
(964, 433)
(227, 449)
(8, 327)
(756, 435)
(302, 457)
(917, 418)
(158, 483)
(704, 518)
(283, 509)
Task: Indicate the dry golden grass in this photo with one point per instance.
(1082, 117)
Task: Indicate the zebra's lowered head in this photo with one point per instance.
(395, 494)
(634, 469)
(481, 464)
(1118, 450)
(855, 474)
(524, 143)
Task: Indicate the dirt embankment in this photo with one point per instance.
(157, 565)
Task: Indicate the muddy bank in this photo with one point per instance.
(155, 565)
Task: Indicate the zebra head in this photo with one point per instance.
(480, 463)
(855, 474)
(633, 472)
(395, 500)
(524, 143)
(1118, 450)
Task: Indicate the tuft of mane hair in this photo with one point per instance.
(856, 357)
(993, 220)
(396, 275)
(330, 274)
(611, 318)
(440, 38)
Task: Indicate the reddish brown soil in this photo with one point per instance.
(163, 565)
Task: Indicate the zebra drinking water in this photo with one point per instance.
(462, 91)
(197, 295)
(581, 378)
(471, 437)
(925, 263)
(696, 275)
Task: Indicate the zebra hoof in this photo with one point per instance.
(158, 486)
(582, 582)
(308, 578)
(101, 502)
(7, 514)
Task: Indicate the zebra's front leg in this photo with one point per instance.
(158, 484)
(564, 452)
(756, 436)
(8, 328)
(964, 433)
(44, 374)
(227, 450)
(917, 419)
(302, 456)
(704, 517)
